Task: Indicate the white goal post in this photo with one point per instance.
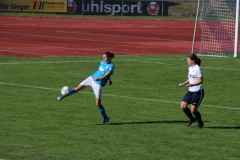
(219, 21)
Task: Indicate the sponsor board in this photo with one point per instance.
(33, 6)
(118, 7)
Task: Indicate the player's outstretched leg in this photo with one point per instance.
(72, 91)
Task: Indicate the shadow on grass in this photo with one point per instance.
(175, 122)
(224, 127)
(149, 122)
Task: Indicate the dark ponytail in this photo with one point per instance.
(198, 61)
(109, 54)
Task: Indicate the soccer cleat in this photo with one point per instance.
(200, 125)
(190, 122)
(60, 98)
(106, 120)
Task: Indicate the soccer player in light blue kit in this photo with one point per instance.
(195, 93)
(98, 80)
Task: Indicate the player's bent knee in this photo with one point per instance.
(183, 105)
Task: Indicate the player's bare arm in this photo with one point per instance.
(184, 83)
(200, 81)
(109, 81)
(103, 77)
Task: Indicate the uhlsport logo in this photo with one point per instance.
(153, 8)
(113, 8)
(72, 6)
(39, 4)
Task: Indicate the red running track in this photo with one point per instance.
(49, 37)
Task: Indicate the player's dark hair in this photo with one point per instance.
(194, 58)
(109, 54)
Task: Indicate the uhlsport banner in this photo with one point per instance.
(118, 7)
(33, 6)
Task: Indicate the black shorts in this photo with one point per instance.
(194, 98)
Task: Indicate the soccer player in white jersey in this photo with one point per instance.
(195, 93)
(98, 80)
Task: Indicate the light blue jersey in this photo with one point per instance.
(102, 70)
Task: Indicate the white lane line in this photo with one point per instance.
(114, 35)
(77, 39)
(26, 53)
(50, 62)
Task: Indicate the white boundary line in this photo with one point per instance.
(109, 95)
(168, 64)
(117, 60)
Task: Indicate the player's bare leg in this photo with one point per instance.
(72, 91)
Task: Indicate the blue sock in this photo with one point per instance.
(102, 111)
(72, 91)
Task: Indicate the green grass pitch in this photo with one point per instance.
(143, 104)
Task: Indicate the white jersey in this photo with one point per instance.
(193, 74)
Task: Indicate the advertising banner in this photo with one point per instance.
(118, 7)
(56, 6)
